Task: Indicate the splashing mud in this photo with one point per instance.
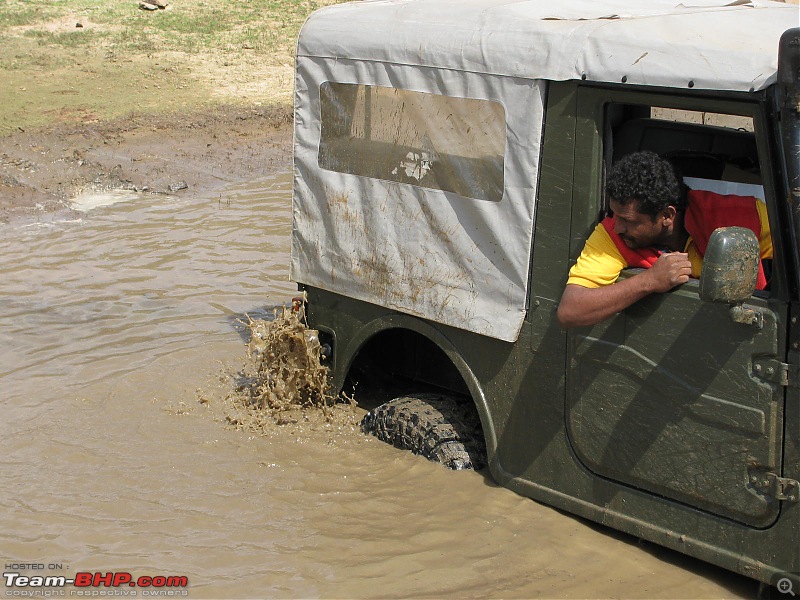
(284, 382)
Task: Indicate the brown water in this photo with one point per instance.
(112, 327)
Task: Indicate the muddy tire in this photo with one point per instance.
(435, 426)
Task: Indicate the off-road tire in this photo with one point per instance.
(436, 426)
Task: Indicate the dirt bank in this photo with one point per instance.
(188, 154)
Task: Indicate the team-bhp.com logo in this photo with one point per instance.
(89, 584)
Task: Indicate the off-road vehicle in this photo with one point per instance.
(449, 162)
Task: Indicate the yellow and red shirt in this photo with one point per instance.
(601, 262)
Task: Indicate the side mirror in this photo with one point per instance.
(730, 266)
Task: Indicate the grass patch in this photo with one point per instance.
(64, 39)
(17, 18)
(183, 26)
(116, 58)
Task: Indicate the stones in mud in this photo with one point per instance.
(153, 4)
(9, 181)
(178, 186)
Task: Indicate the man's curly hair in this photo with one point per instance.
(652, 181)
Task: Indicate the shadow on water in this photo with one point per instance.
(737, 585)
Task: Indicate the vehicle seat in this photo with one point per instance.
(699, 151)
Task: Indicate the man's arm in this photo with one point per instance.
(581, 306)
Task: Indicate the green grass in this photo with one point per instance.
(260, 25)
(65, 40)
(16, 18)
(193, 55)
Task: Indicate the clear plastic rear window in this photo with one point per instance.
(428, 140)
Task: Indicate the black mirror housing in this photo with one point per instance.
(730, 266)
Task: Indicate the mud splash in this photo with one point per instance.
(284, 381)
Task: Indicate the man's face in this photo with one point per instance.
(637, 229)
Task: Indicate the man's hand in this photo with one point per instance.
(582, 306)
(671, 269)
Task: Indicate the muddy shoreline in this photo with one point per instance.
(188, 154)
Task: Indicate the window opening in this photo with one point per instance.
(713, 152)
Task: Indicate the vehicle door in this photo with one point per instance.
(673, 396)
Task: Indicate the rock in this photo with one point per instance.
(147, 6)
(175, 187)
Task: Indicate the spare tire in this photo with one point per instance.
(439, 427)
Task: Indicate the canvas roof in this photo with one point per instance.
(703, 44)
(464, 260)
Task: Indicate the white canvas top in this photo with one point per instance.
(445, 254)
(721, 45)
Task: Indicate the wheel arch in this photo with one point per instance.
(398, 322)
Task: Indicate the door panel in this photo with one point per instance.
(664, 398)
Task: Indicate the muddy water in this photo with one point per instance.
(116, 321)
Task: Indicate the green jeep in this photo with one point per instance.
(449, 164)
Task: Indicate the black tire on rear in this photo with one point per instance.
(436, 426)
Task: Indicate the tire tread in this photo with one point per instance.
(435, 426)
